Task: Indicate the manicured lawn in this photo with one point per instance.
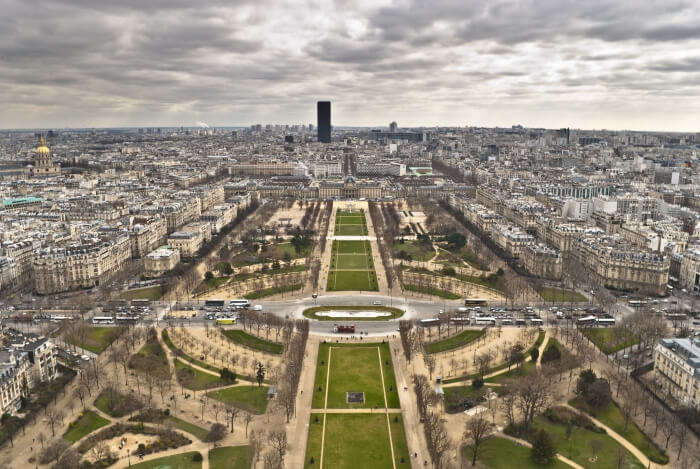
(398, 437)
(351, 262)
(195, 379)
(418, 251)
(610, 339)
(357, 440)
(432, 291)
(351, 247)
(180, 353)
(313, 444)
(99, 338)
(350, 230)
(249, 398)
(311, 313)
(525, 369)
(612, 416)
(199, 432)
(176, 461)
(151, 358)
(271, 291)
(352, 280)
(229, 457)
(319, 397)
(247, 340)
(392, 392)
(557, 295)
(148, 293)
(500, 453)
(460, 340)
(87, 423)
(355, 369)
(288, 248)
(214, 282)
(578, 448)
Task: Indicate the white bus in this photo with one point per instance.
(536, 322)
(586, 321)
(103, 320)
(606, 322)
(239, 304)
(485, 321)
(429, 322)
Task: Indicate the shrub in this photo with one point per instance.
(477, 383)
(543, 450)
(551, 354)
(197, 457)
(585, 379)
(598, 394)
(217, 432)
(534, 354)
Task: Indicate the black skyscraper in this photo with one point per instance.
(323, 109)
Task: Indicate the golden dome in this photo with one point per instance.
(42, 149)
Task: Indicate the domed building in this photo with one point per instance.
(43, 162)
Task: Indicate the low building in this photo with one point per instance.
(677, 369)
(161, 260)
(186, 242)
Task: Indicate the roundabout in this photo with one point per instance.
(352, 313)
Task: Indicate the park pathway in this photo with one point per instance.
(386, 410)
(620, 439)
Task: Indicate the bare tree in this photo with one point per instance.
(278, 440)
(477, 430)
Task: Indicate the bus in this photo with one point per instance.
(103, 320)
(476, 302)
(536, 321)
(428, 322)
(637, 303)
(606, 322)
(485, 321)
(214, 303)
(225, 321)
(586, 321)
(239, 304)
(460, 320)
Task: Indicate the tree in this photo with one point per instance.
(543, 450)
(534, 354)
(477, 430)
(208, 275)
(598, 394)
(585, 379)
(260, 374)
(216, 433)
(278, 440)
(551, 354)
(247, 418)
(515, 355)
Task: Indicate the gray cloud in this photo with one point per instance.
(175, 62)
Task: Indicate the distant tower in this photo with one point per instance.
(43, 162)
(393, 127)
(323, 109)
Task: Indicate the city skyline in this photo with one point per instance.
(611, 65)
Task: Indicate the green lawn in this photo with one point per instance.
(350, 230)
(249, 398)
(355, 369)
(351, 247)
(288, 248)
(199, 432)
(578, 448)
(357, 440)
(398, 437)
(454, 396)
(178, 352)
(610, 339)
(612, 416)
(525, 369)
(195, 379)
(418, 251)
(98, 338)
(318, 401)
(352, 280)
(176, 461)
(247, 340)
(351, 262)
(500, 453)
(311, 313)
(88, 422)
(432, 291)
(460, 340)
(229, 457)
(151, 359)
(148, 293)
(313, 443)
(215, 282)
(557, 295)
(271, 291)
(392, 392)
(116, 404)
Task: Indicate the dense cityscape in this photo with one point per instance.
(383, 234)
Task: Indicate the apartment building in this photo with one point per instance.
(542, 261)
(146, 234)
(677, 369)
(14, 380)
(511, 239)
(179, 213)
(379, 168)
(186, 242)
(689, 272)
(327, 169)
(261, 169)
(80, 266)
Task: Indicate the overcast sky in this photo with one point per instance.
(585, 63)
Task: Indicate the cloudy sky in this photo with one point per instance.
(589, 64)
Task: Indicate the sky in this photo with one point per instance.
(539, 63)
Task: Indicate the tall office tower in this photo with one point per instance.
(393, 127)
(323, 109)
